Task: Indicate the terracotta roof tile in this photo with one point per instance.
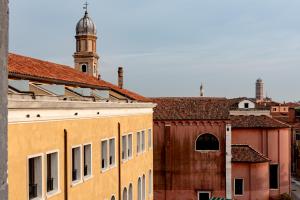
(251, 121)
(245, 153)
(190, 108)
(51, 72)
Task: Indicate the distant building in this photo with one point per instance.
(216, 147)
(259, 90)
(72, 136)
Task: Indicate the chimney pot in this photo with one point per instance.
(120, 77)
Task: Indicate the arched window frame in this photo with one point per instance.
(113, 197)
(86, 68)
(125, 194)
(204, 151)
(130, 191)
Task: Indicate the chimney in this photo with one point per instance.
(201, 90)
(120, 77)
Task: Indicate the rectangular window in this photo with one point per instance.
(52, 172)
(203, 195)
(35, 177)
(143, 141)
(149, 138)
(124, 147)
(138, 136)
(87, 160)
(104, 154)
(76, 164)
(150, 182)
(238, 186)
(246, 105)
(129, 151)
(274, 176)
(112, 152)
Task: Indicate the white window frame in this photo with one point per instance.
(150, 142)
(143, 140)
(203, 192)
(243, 190)
(87, 177)
(76, 182)
(42, 171)
(131, 148)
(138, 143)
(132, 193)
(124, 151)
(107, 157)
(108, 166)
(150, 182)
(114, 164)
(57, 191)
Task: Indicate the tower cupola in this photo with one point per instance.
(85, 56)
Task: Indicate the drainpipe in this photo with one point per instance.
(119, 159)
(66, 163)
(228, 166)
(3, 99)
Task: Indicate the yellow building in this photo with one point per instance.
(73, 136)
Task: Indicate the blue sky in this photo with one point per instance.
(167, 48)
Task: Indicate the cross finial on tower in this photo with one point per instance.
(85, 7)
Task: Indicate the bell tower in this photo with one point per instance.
(86, 57)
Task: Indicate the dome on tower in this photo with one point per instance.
(86, 26)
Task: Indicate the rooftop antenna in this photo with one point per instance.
(85, 7)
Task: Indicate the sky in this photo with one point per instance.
(170, 47)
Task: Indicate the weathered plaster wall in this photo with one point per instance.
(180, 171)
(273, 143)
(3, 97)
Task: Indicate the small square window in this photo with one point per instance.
(202, 195)
(246, 105)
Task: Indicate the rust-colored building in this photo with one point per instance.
(218, 147)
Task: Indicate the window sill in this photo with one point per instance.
(88, 177)
(108, 168)
(74, 183)
(38, 198)
(52, 193)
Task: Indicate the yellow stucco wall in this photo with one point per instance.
(26, 139)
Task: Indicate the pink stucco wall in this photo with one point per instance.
(273, 143)
(256, 180)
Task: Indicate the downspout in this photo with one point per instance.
(66, 163)
(228, 166)
(119, 159)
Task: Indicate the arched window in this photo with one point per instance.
(139, 189)
(125, 194)
(150, 182)
(84, 68)
(207, 142)
(144, 188)
(130, 192)
(113, 198)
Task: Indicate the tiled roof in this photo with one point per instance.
(245, 153)
(39, 70)
(190, 108)
(251, 121)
